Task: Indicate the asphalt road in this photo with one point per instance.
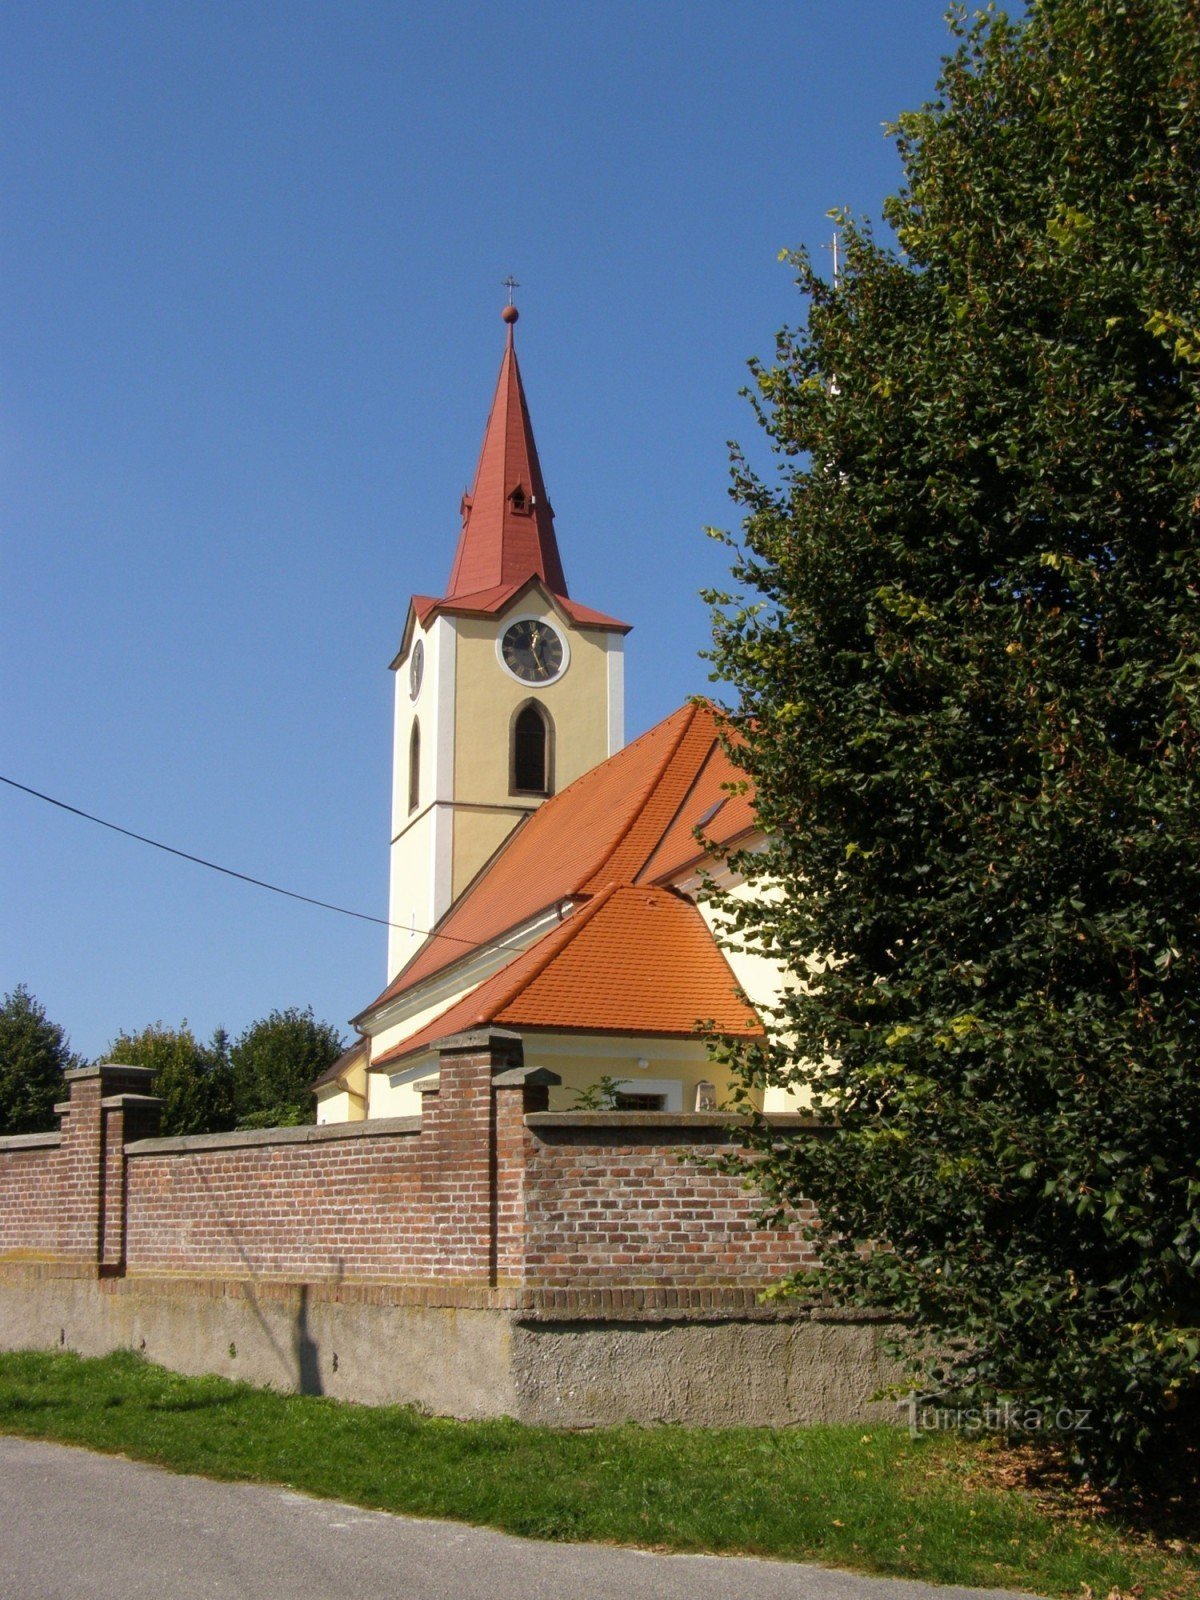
(78, 1526)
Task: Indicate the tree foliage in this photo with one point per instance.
(275, 1062)
(34, 1054)
(194, 1080)
(263, 1080)
(968, 682)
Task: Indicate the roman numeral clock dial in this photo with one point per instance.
(532, 651)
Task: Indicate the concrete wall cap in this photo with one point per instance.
(527, 1077)
(479, 1039)
(783, 1120)
(29, 1141)
(114, 1102)
(104, 1069)
(240, 1138)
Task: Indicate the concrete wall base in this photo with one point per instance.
(379, 1348)
(722, 1372)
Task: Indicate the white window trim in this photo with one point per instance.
(671, 1089)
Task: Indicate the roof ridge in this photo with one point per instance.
(675, 815)
(650, 826)
(647, 789)
(650, 964)
(616, 756)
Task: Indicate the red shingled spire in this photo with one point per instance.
(508, 525)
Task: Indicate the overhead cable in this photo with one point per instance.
(229, 872)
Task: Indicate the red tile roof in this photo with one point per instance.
(713, 809)
(508, 524)
(633, 960)
(608, 828)
(507, 541)
(489, 602)
(627, 956)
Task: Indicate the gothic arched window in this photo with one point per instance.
(531, 767)
(414, 766)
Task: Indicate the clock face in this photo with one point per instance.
(532, 651)
(416, 669)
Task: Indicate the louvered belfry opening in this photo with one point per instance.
(532, 750)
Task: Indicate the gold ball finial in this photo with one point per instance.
(510, 314)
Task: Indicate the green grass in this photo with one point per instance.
(866, 1498)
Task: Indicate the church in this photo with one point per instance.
(545, 876)
(471, 1226)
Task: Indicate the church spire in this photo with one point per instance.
(508, 524)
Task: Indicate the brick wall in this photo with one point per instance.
(487, 1189)
(315, 1206)
(626, 1200)
(30, 1196)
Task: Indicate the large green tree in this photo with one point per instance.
(34, 1054)
(275, 1062)
(193, 1079)
(966, 652)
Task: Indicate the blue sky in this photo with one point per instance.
(249, 332)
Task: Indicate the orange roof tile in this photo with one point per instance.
(630, 957)
(605, 828)
(635, 843)
(633, 960)
(709, 806)
(548, 856)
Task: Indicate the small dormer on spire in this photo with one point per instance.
(508, 523)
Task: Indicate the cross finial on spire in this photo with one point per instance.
(510, 283)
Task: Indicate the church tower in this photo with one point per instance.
(506, 689)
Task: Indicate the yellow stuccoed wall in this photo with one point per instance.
(486, 698)
(761, 977)
(581, 1061)
(477, 837)
(349, 1104)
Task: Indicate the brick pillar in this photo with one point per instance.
(126, 1117)
(517, 1092)
(458, 1153)
(91, 1168)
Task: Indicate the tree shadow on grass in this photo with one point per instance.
(1163, 1507)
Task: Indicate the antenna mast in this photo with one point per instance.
(835, 246)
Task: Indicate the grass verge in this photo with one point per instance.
(871, 1499)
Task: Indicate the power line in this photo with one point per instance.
(244, 877)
